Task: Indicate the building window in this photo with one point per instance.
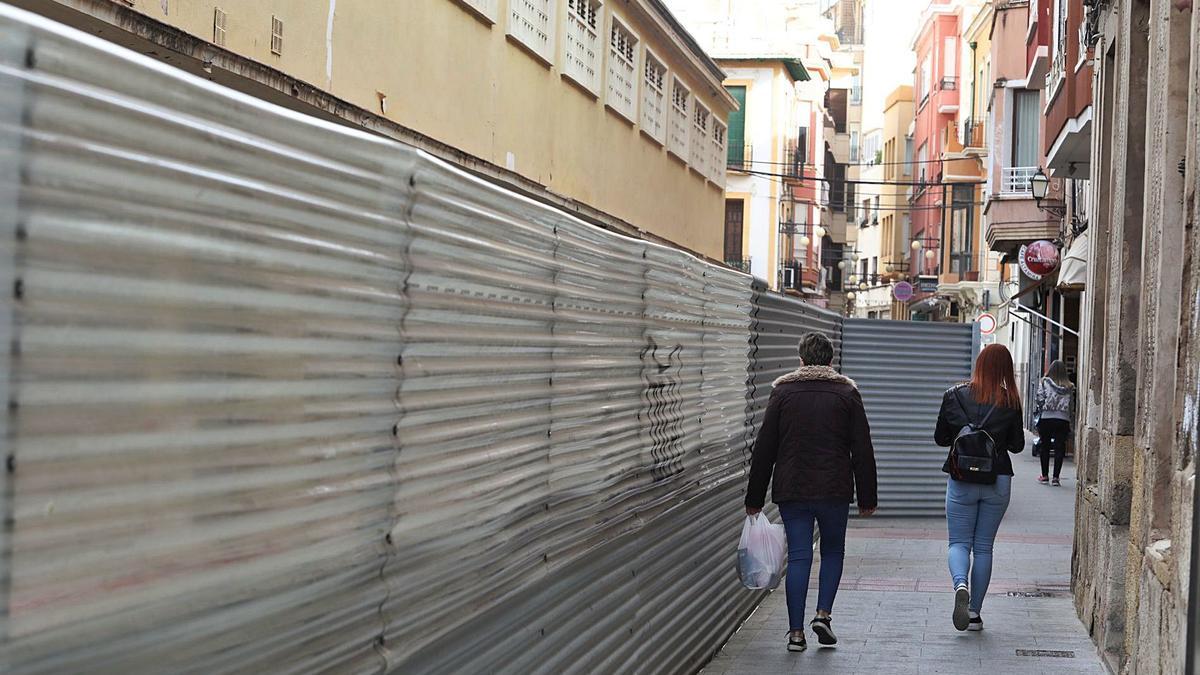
(734, 224)
(654, 98)
(531, 24)
(949, 59)
(718, 153)
(908, 155)
(700, 142)
(1026, 119)
(486, 9)
(922, 156)
(925, 82)
(581, 46)
(276, 36)
(875, 212)
(680, 121)
(622, 71)
(856, 90)
(962, 229)
(737, 129)
(220, 24)
(853, 146)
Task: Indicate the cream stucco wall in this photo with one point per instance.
(452, 74)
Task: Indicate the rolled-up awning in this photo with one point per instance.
(1073, 274)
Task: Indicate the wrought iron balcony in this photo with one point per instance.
(745, 163)
(740, 264)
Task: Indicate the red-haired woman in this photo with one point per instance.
(990, 401)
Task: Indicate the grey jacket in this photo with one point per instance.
(1054, 402)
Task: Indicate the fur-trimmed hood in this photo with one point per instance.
(815, 373)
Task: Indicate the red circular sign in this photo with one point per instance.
(1039, 259)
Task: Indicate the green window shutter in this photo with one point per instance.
(737, 128)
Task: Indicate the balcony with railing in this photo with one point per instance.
(972, 134)
(740, 264)
(743, 163)
(1015, 181)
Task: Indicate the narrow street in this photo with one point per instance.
(893, 612)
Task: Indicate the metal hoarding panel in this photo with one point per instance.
(286, 397)
(779, 321)
(902, 369)
(567, 520)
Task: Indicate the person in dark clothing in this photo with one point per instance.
(974, 510)
(1054, 410)
(816, 443)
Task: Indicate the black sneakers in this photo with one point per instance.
(823, 628)
(796, 641)
(962, 602)
(976, 622)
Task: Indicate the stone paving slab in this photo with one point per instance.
(893, 612)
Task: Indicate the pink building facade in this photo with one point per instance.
(938, 75)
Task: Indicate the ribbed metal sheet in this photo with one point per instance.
(286, 397)
(778, 322)
(902, 369)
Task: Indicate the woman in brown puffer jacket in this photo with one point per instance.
(816, 443)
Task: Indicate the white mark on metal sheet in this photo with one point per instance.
(329, 44)
(1191, 402)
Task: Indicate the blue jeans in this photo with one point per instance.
(973, 515)
(798, 517)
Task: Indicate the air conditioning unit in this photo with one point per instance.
(791, 277)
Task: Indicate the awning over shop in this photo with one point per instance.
(1073, 274)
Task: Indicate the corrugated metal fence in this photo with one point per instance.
(287, 397)
(902, 369)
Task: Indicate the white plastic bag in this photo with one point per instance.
(762, 553)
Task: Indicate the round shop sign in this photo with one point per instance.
(1038, 259)
(903, 291)
(987, 323)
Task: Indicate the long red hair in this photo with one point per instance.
(993, 382)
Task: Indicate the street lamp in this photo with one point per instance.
(850, 296)
(841, 264)
(916, 245)
(805, 241)
(819, 232)
(862, 286)
(929, 254)
(1039, 184)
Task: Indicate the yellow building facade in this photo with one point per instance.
(897, 158)
(605, 107)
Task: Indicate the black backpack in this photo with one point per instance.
(973, 453)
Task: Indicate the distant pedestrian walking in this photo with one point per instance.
(1054, 412)
(816, 442)
(981, 423)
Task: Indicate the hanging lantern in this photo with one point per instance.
(841, 264)
(929, 255)
(819, 232)
(916, 245)
(862, 286)
(850, 296)
(804, 240)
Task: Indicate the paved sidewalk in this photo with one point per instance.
(893, 612)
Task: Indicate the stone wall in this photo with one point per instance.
(1139, 386)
